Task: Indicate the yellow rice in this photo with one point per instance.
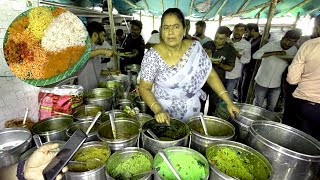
(39, 20)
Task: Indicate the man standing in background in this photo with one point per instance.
(243, 49)
(223, 57)
(275, 59)
(254, 37)
(89, 76)
(134, 44)
(200, 31)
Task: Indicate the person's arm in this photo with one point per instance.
(246, 55)
(217, 86)
(98, 52)
(296, 68)
(148, 97)
(266, 51)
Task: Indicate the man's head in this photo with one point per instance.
(200, 28)
(221, 37)
(290, 39)
(239, 30)
(136, 27)
(251, 29)
(120, 34)
(96, 32)
(154, 32)
(316, 28)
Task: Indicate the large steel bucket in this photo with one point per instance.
(13, 142)
(84, 125)
(248, 115)
(187, 163)
(177, 134)
(97, 173)
(117, 113)
(126, 158)
(127, 133)
(236, 157)
(103, 97)
(218, 129)
(293, 154)
(53, 128)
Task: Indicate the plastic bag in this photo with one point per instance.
(60, 100)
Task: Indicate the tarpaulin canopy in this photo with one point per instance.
(207, 9)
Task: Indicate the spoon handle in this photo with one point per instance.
(154, 136)
(203, 124)
(93, 122)
(166, 159)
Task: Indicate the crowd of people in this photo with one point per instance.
(180, 72)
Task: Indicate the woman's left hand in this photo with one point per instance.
(39, 160)
(232, 109)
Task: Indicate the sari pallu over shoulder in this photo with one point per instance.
(183, 89)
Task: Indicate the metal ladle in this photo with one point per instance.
(145, 174)
(166, 159)
(113, 124)
(153, 135)
(203, 124)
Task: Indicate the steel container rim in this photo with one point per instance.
(256, 107)
(13, 150)
(284, 150)
(238, 146)
(53, 131)
(110, 141)
(88, 105)
(81, 122)
(216, 119)
(87, 145)
(168, 142)
(128, 150)
(188, 150)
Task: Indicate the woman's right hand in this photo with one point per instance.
(162, 117)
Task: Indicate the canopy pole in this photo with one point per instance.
(113, 35)
(264, 41)
(220, 8)
(162, 7)
(145, 2)
(140, 15)
(258, 18)
(191, 7)
(252, 9)
(220, 20)
(176, 3)
(296, 21)
(294, 7)
(204, 17)
(152, 22)
(244, 6)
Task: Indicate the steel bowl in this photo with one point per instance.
(122, 103)
(53, 128)
(122, 155)
(182, 151)
(261, 168)
(84, 125)
(177, 134)
(117, 113)
(248, 115)
(87, 112)
(29, 152)
(97, 173)
(13, 142)
(293, 154)
(103, 97)
(143, 107)
(127, 133)
(143, 118)
(218, 129)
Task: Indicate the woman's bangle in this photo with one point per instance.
(153, 104)
(222, 93)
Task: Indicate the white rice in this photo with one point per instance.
(64, 31)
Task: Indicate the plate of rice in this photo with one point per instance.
(45, 45)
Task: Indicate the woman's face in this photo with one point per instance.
(172, 31)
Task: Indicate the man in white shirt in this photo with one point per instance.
(200, 31)
(243, 48)
(275, 57)
(89, 76)
(154, 39)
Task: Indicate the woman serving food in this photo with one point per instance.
(178, 68)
